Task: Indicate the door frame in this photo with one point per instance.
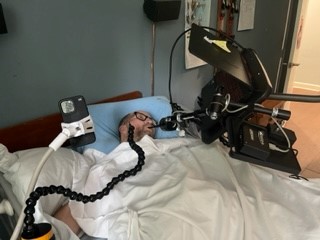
(291, 45)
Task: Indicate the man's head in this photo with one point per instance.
(143, 125)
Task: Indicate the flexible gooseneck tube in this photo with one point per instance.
(34, 231)
(56, 143)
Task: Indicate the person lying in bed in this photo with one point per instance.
(143, 125)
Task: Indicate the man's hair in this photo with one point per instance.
(124, 120)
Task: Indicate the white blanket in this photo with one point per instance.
(189, 190)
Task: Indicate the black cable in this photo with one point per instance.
(170, 61)
(298, 177)
(29, 210)
(153, 57)
(174, 105)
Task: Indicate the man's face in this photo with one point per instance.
(143, 125)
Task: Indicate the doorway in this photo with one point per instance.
(307, 74)
(304, 78)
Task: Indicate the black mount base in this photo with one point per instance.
(286, 162)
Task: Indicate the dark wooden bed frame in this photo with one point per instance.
(40, 132)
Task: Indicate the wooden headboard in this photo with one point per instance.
(42, 131)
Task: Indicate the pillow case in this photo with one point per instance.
(106, 117)
(18, 169)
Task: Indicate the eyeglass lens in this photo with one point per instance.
(143, 117)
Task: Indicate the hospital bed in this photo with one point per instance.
(186, 189)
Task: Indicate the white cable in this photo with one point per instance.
(228, 98)
(32, 183)
(69, 130)
(238, 109)
(181, 112)
(60, 139)
(272, 146)
(54, 145)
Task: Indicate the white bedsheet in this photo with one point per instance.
(189, 190)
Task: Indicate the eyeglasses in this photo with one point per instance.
(144, 117)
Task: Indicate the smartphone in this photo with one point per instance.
(74, 109)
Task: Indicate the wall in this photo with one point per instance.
(56, 49)
(96, 48)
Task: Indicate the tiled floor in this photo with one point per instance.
(304, 121)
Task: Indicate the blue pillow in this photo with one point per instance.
(106, 117)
